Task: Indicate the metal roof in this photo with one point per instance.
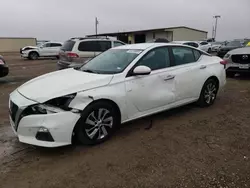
(148, 30)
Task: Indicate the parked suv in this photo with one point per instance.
(231, 46)
(238, 61)
(48, 49)
(78, 51)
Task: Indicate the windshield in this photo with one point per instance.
(39, 44)
(234, 43)
(111, 62)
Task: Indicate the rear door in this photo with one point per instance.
(44, 50)
(189, 73)
(54, 49)
(102, 46)
(86, 50)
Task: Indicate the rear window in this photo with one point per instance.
(68, 45)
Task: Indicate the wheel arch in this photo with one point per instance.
(214, 78)
(114, 104)
(34, 51)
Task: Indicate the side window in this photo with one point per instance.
(183, 55)
(55, 45)
(116, 43)
(94, 46)
(195, 45)
(197, 54)
(87, 46)
(203, 43)
(156, 59)
(47, 45)
(103, 45)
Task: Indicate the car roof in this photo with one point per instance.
(93, 39)
(52, 42)
(182, 42)
(144, 46)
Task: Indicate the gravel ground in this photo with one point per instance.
(186, 147)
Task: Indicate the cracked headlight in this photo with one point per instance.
(61, 102)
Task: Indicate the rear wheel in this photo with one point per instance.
(97, 123)
(33, 55)
(208, 93)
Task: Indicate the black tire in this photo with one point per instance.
(82, 125)
(230, 74)
(33, 55)
(209, 85)
(209, 50)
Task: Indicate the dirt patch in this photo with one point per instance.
(185, 147)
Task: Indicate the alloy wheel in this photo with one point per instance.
(210, 93)
(98, 124)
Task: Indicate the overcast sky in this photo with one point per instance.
(61, 19)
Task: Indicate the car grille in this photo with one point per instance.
(13, 111)
(242, 59)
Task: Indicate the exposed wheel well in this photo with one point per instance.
(101, 100)
(112, 103)
(214, 78)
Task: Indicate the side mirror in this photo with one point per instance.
(141, 70)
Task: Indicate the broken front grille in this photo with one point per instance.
(13, 111)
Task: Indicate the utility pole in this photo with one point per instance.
(96, 25)
(216, 21)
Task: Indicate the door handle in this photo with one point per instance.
(203, 67)
(169, 77)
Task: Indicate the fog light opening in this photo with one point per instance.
(43, 134)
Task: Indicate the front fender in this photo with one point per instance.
(115, 93)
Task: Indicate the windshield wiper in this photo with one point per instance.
(90, 71)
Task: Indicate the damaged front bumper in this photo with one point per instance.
(46, 130)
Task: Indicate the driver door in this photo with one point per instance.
(148, 92)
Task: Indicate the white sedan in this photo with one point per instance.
(202, 45)
(119, 85)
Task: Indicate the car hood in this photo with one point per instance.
(60, 83)
(245, 50)
(31, 47)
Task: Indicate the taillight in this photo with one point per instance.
(223, 62)
(1, 62)
(72, 55)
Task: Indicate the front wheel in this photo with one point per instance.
(208, 93)
(97, 123)
(33, 55)
(209, 50)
